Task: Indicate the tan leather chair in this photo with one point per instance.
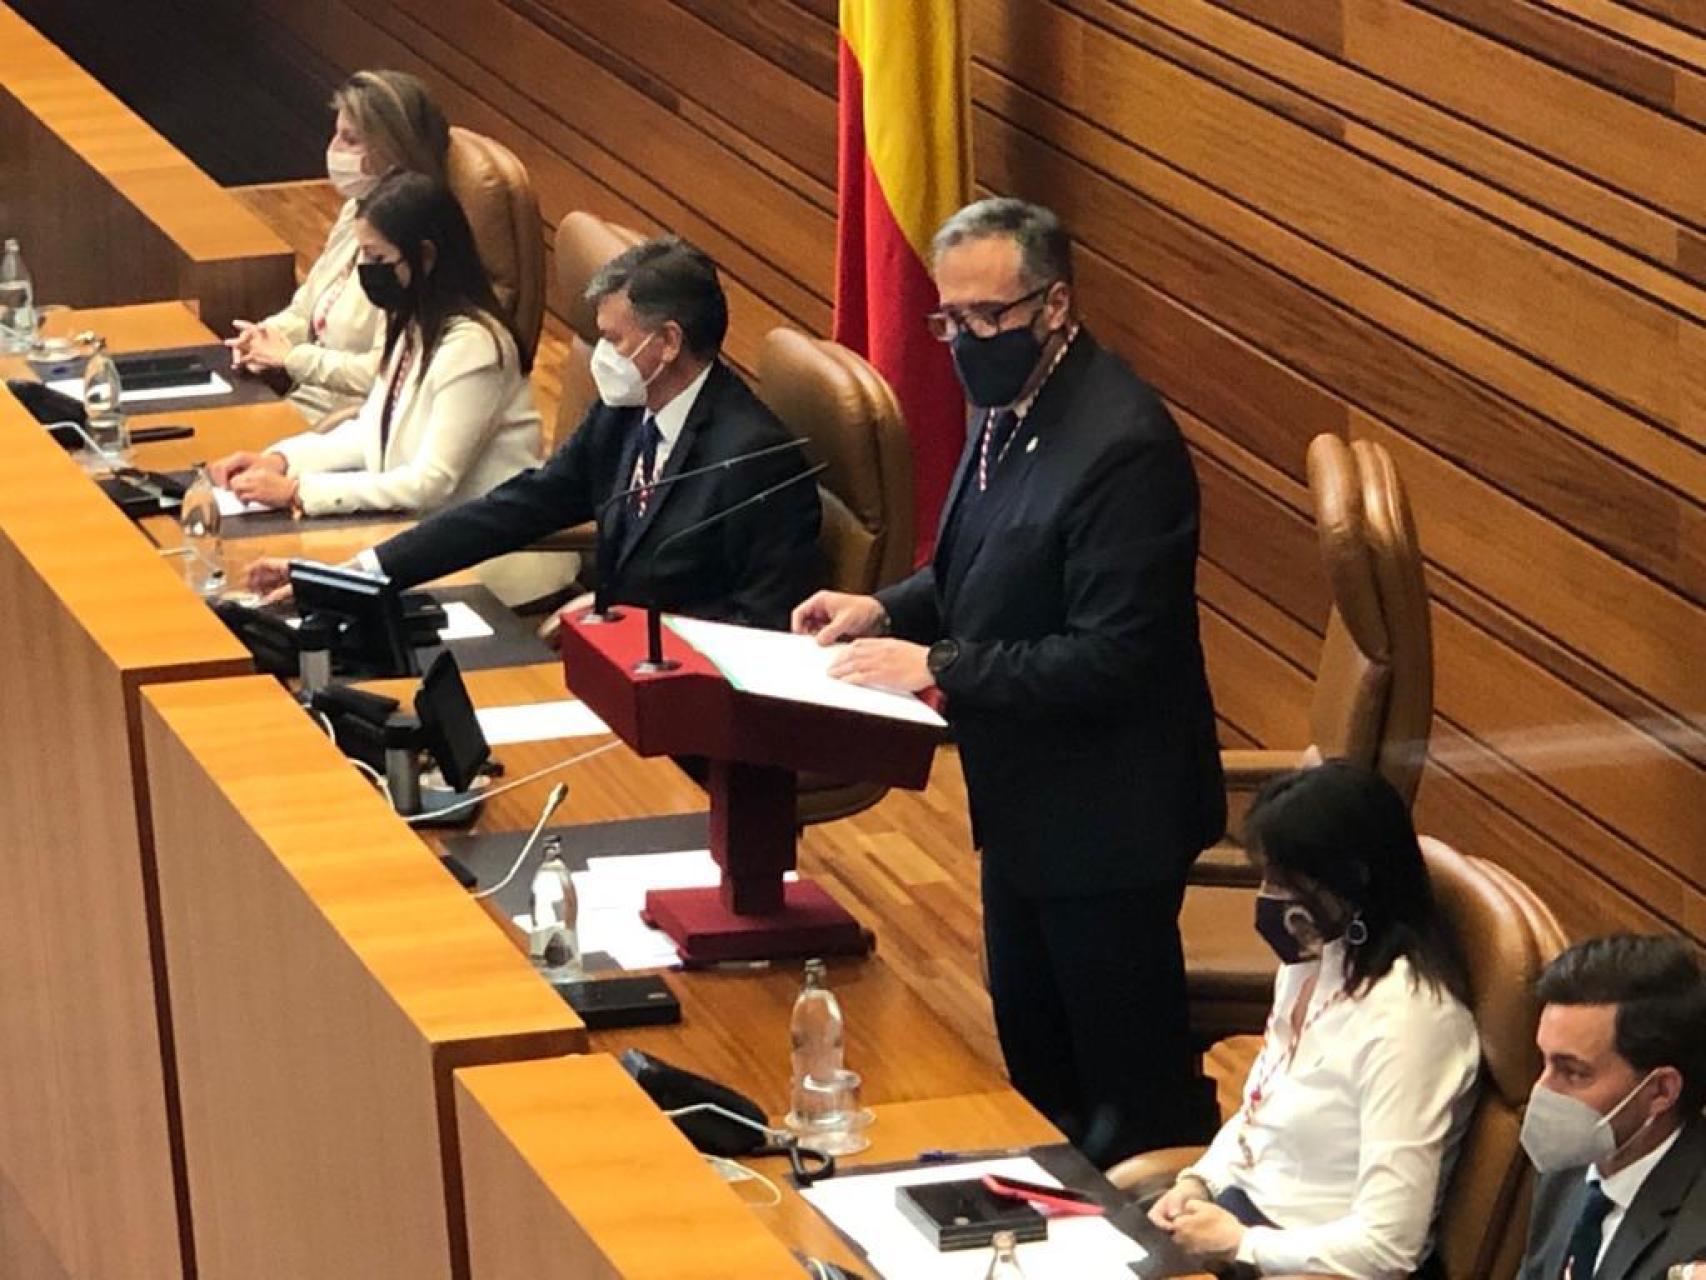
(585, 242)
(1373, 699)
(493, 188)
(1508, 936)
(846, 409)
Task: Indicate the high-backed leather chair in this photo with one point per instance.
(1373, 697)
(493, 188)
(585, 242)
(1508, 936)
(846, 409)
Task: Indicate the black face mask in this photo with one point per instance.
(1271, 916)
(379, 282)
(994, 370)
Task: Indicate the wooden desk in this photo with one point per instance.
(327, 976)
(107, 210)
(570, 1170)
(91, 617)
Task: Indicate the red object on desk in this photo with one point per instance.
(753, 746)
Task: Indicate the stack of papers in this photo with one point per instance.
(863, 1207)
(774, 664)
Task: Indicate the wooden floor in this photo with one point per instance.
(906, 866)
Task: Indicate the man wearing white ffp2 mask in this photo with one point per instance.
(1614, 1125)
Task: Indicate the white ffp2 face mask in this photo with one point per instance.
(620, 383)
(1560, 1132)
(344, 171)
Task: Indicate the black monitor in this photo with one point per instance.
(364, 612)
(450, 729)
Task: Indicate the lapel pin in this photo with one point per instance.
(1031, 445)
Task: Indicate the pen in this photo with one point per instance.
(737, 966)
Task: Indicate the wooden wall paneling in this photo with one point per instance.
(1342, 104)
(1657, 453)
(107, 211)
(329, 976)
(1582, 324)
(1350, 359)
(565, 1164)
(1683, 13)
(91, 615)
(1513, 93)
(1591, 53)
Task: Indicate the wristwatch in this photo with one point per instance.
(942, 655)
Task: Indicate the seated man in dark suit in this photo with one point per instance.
(1614, 1125)
(668, 404)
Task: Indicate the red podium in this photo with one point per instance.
(753, 746)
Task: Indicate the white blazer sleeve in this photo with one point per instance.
(343, 448)
(461, 394)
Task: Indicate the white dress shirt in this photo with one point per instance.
(673, 417)
(1622, 1187)
(1351, 1140)
(334, 367)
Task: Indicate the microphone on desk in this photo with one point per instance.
(552, 803)
(601, 611)
(654, 660)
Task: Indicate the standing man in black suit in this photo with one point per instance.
(1058, 618)
(1614, 1125)
(668, 404)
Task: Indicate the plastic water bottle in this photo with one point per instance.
(1005, 1264)
(17, 301)
(816, 1031)
(199, 519)
(554, 941)
(103, 397)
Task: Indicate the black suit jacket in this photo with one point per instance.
(1666, 1224)
(752, 568)
(1079, 699)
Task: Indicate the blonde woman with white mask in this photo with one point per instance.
(328, 341)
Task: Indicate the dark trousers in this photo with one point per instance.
(1089, 997)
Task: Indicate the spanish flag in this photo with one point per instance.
(904, 166)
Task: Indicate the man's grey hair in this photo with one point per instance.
(1045, 250)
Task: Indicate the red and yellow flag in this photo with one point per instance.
(905, 165)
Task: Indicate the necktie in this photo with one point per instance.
(1583, 1255)
(646, 470)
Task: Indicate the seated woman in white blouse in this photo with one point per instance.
(1353, 1111)
(327, 341)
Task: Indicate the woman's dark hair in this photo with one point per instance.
(411, 210)
(1346, 829)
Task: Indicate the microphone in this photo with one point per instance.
(552, 803)
(655, 661)
(664, 482)
(601, 611)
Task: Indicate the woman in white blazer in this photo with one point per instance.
(451, 414)
(327, 340)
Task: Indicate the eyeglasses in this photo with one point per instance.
(981, 319)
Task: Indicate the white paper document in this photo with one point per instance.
(775, 664)
(539, 722)
(213, 386)
(463, 622)
(863, 1207)
(231, 505)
